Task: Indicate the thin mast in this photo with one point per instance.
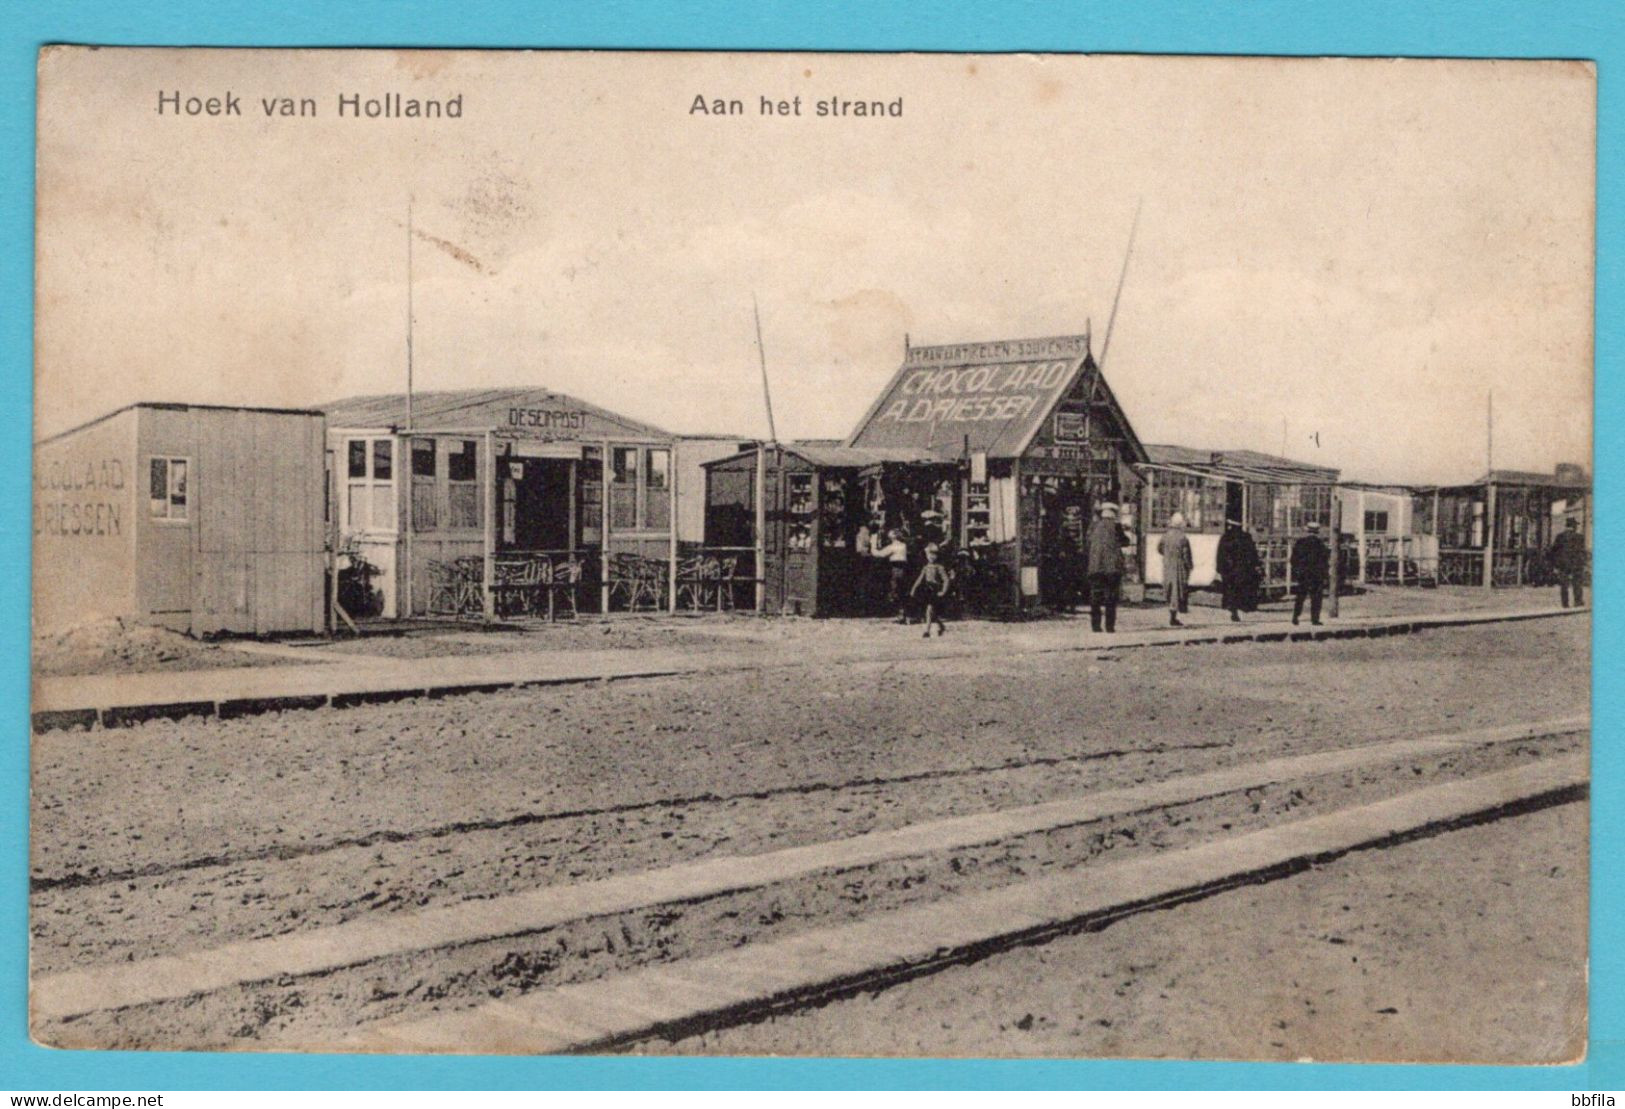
(761, 353)
(408, 313)
(1105, 343)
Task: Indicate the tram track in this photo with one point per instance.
(81, 879)
(276, 1007)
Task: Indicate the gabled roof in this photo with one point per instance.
(476, 408)
(992, 396)
(1240, 465)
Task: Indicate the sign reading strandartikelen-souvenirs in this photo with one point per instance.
(991, 393)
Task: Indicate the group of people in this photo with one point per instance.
(916, 578)
(1241, 571)
(918, 581)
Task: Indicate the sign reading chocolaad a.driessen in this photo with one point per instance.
(968, 394)
(986, 396)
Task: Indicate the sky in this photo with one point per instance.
(1339, 260)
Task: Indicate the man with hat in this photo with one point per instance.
(1568, 557)
(1104, 567)
(1311, 568)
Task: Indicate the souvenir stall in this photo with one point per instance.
(1035, 441)
(818, 501)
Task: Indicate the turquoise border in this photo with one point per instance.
(1593, 29)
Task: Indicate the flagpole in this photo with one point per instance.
(1111, 320)
(409, 314)
(761, 354)
(406, 461)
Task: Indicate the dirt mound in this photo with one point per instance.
(115, 646)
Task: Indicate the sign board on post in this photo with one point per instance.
(1071, 427)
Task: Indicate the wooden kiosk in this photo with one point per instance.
(816, 499)
(999, 451)
(1039, 440)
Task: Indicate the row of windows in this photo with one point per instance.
(640, 483)
(1199, 501)
(1203, 503)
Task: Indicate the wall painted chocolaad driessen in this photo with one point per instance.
(202, 519)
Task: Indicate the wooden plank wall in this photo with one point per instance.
(260, 538)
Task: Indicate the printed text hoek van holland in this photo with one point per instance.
(767, 106)
(391, 105)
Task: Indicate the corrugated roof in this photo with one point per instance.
(990, 396)
(821, 454)
(472, 408)
(1241, 465)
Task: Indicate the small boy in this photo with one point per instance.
(934, 579)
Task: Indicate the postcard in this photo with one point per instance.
(548, 552)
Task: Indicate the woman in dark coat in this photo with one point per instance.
(1240, 570)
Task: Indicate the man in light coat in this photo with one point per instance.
(1175, 548)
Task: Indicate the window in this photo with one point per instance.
(422, 458)
(1198, 500)
(978, 515)
(798, 494)
(657, 489)
(623, 497)
(370, 487)
(590, 496)
(1290, 507)
(1376, 520)
(640, 486)
(462, 484)
(425, 502)
(166, 496)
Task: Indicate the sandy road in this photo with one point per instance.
(1464, 947)
(316, 818)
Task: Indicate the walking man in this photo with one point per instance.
(1311, 567)
(1239, 570)
(1177, 562)
(1569, 560)
(1105, 543)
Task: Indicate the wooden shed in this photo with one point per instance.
(198, 518)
